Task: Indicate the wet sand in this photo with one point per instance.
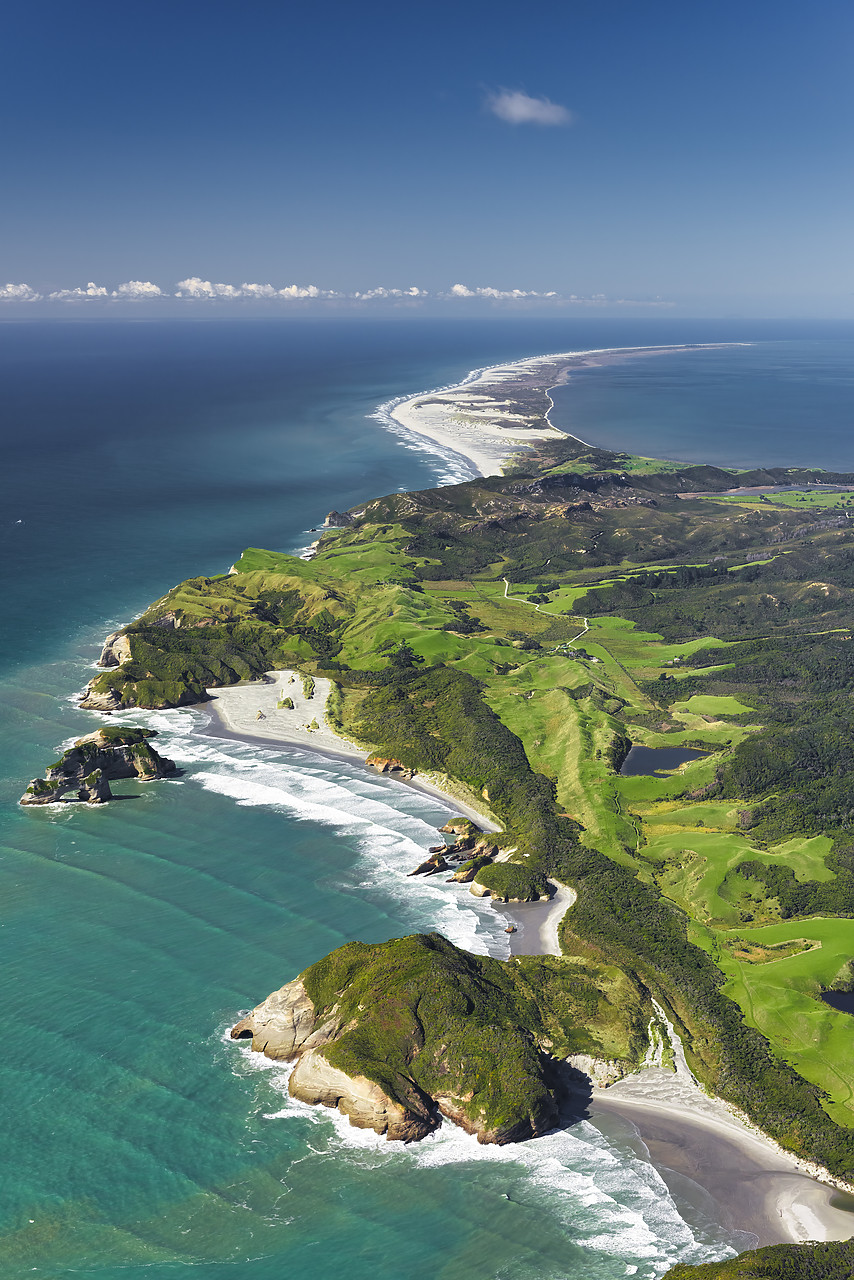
(537, 922)
(755, 1186)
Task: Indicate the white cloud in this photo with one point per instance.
(92, 290)
(138, 289)
(19, 293)
(382, 292)
(306, 291)
(194, 287)
(515, 107)
(463, 291)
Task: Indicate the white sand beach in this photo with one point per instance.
(479, 419)
(237, 707)
(484, 417)
(236, 712)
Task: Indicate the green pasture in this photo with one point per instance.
(780, 999)
(705, 705)
(800, 499)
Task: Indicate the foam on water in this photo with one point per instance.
(388, 821)
(607, 1199)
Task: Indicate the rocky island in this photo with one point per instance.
(88, 768)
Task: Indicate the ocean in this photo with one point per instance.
(138, 1139)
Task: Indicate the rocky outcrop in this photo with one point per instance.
(461, 827)
(101, 699)
(341, 519)
(116, 650)
(286, 1028)
(431, 866)
(382, 765)
(88, 767)
(601, 1071)
(396, 1035)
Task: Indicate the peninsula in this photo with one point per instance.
(510, 640)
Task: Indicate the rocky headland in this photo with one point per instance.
(86, 769)
(399, 1034)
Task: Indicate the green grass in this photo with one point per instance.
(707, 705)
(800, 499)
(781, 1000)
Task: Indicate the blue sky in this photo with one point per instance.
(703, 158)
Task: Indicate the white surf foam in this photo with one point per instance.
(608, 1199)
(390, 826)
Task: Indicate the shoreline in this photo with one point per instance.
(233, 713)
(473, 418)
(757, 1186)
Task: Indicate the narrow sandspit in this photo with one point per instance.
(758, 1187)
(496, 413)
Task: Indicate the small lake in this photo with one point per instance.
(650, 761)
(841, 1000)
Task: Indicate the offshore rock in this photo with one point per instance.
(88, 767)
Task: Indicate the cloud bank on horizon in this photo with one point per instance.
(194, 288)
(516, 107)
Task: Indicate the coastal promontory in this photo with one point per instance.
(397, 1035)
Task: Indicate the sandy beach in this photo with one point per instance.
(758, 1187)
(235, 713)
(497, 412)
(537, 922)
(482, 418)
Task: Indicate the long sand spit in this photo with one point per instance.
(490, 416)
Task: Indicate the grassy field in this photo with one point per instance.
(799, 499)
(780, 998)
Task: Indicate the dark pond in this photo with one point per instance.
(841, 1000)
(649, 761)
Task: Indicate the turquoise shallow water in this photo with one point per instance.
(136, 1137)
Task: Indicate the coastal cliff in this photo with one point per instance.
(399, 1034)
(93, 762)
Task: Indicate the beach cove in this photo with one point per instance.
(758, 1188)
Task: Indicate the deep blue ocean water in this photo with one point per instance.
(136, 1139)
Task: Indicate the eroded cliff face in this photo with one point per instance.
(397, 1035)
(287, 1028)
(88, 767)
